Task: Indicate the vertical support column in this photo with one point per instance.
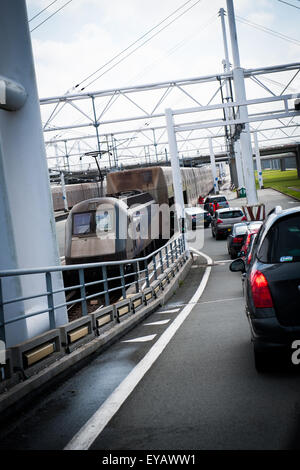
(155, 145)
(27, 225)
(64, 193)
(213, 166)
(240, 95)
(177, 182)
(258, 162)
(239, 166)
(56, 156)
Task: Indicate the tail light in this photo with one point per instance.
(219, 221)
(260, 290)
(244, 218)
(238, 239)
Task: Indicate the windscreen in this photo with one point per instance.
(282, 243)
(230, 214)
(82, 223)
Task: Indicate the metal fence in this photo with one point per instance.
(115, 280)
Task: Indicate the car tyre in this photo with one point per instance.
(218, 236)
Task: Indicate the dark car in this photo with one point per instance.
(272, 284)
(224, 219)
(236, 239)
(210, 200)
(207, 219)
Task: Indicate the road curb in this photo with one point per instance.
(20, 394)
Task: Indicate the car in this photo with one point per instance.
(252, 229)
(272, 285)
(210, 200)
(236, 239)
(224, 219)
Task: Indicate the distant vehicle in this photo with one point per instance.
(238, 237)
(272, 285)
(253, 228)
(210, 200)
(224, 219)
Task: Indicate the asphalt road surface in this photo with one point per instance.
(201, 392)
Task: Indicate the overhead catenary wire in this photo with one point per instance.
(42, 11)
(282, 1)
(268, 30)
(135, 42)
(50, 16)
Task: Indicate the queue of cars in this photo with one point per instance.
(271, 285)
(268, 256)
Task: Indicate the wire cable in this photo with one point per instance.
(50, 16)
(268, 30)
(44, 9)
(282, 1)
(138, 47)
(133, 43)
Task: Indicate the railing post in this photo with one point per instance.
(172, 254)
(82, 292)
(123, 281)
(106, 294)
(137, 286)
(167, 256)
(146, 273)
(50, 300)
(154, 265)
(2, 328)
(161, 261)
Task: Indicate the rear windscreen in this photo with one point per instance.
(230, 214)
(241, 230)
(282, 242)
(82, 223)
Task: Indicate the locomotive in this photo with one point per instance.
(129, 222)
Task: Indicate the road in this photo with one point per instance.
(202, 391)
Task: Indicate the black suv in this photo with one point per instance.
(272, 284)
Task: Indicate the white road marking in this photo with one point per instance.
(160, 322)
(174, 310)
(141, 339)
(95, 425)
(221, 300)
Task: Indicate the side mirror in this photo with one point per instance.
(237, 265)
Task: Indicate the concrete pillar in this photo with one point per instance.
(282, 164)
(27, 226)
(213, 166)
(240, 95)
(258, 162)
(239, 166)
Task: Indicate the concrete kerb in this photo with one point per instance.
(41, 379)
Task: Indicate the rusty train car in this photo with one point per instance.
(120, 225)
(75, 193)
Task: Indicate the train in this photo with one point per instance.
(131, 220)
(75, 193)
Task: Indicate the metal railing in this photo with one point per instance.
(116, 278)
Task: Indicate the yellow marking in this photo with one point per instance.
(77, 334)
(137, 302)
(39, 353)
(148, 296)
(103, 320)
(123, 310)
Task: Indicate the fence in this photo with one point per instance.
(114, 278)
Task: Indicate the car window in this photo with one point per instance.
(282, 242)
(230, 214)
(240, 229)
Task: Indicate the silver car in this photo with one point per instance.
(224, 219)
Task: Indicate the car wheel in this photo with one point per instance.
(218, 236)
(232, 255)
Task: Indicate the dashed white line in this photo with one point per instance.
(141, 339)
(95, 425)
(160, 322)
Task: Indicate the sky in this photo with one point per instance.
(86, 34)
